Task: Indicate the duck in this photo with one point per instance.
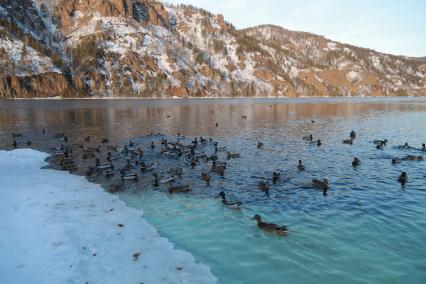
(301, 166)
(270, 227)
(152, 145)
(87, 139)
(276, 176)
(323, 185)
(413, 158)
(396, 161)
(318, 142)
(423, 147)
(380, 142)
(263, 186)
(232, 204)
(14, 144)
(220, 169)
(403, 178)
(156, 181)
(352, 135)
(179, 189)
(206, 177)
(356, 162)
(259, 145)
(348, 141)
(232, 155)
(308, 138)
(217, 124)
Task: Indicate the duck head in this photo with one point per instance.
(257, 218)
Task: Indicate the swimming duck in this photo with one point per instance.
(323, 185)
(413, 158)
(276, 176)
(259, 145)
(270, 227)
(263, 186)
(348, 141)
(179, 189)
(356, 162)
(14, 144)
(308, 138)
(403, 178)
(220, 169)
(156, 182)
(352, 135)
(396, 161)
(423, 147)
(152, 145)
(318, 142)
(217, 124)
(380, 142)
(29, 143)
(206, 178)
(232, 155)
(405, 146)
(301, 166)
(234, 204)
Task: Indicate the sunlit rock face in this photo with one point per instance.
(144, 48)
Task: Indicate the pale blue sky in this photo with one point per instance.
(391, 26)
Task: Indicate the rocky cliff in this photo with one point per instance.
(144, 48)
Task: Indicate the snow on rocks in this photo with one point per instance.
(354, 76)
(59, 228)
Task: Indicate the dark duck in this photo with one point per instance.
(403, 178)
(270, 227)
(233, 204)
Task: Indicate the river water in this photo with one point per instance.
(367, 229)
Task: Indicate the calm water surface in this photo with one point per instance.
(368, 229)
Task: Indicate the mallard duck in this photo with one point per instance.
(232, 155)
(234, 204)
(270, 227)
(403, 178)
(348, 141)
(220, 169)
(263, 185)
(319, 143)
(301, 166)
(308, 138)
(380, 142)
(423, 147)
(356, 162)
(276, 176)
(179, 189)
(323, 185)
(155, 183)
(413, 158)
(206, 178)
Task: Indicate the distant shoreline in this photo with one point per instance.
(221, 98)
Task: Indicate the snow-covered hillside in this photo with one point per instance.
(145, 48)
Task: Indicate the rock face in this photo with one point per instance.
(79, 48)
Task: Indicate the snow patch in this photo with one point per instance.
(59, 228)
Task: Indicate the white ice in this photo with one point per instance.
(59, 228)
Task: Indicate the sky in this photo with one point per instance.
(391, 26)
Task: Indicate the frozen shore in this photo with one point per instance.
(59, 228)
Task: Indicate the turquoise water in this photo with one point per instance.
(368, 229)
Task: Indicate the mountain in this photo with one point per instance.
(144, 48)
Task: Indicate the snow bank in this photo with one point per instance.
(59, 228)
